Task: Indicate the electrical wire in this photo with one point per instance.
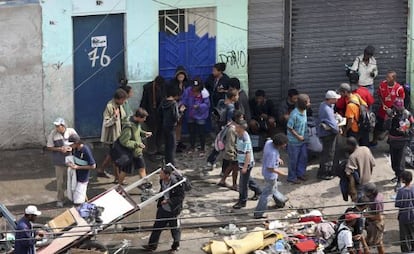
(242, 220)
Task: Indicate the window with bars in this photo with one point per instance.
(172, 21)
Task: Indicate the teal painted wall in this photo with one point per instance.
(141, 37)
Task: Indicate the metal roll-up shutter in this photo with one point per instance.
(265, 72)
(327, 34)
(266, 29)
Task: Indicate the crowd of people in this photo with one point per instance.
(166, 107)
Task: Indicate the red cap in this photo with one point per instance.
(352, 216)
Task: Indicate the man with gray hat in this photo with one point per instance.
(352, 114)
(25, 236)
(328, 131)
(375, 220)
(58, 143)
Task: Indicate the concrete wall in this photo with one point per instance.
(410, 49)
(21, 83)
(141, 37)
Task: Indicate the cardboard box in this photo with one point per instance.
(62, 222)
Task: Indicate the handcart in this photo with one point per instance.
(69, 230)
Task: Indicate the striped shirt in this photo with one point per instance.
(243, 147)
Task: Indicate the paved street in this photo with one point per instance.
(28, 177)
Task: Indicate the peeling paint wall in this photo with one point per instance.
(141, 39)
(21, 83)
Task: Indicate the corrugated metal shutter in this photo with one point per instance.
(326, 34)
(266, 29)
(266, 23)
(265, 72)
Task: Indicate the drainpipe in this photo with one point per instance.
(410, 49)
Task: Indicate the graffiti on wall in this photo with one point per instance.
(234, 58)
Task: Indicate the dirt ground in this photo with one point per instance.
(27, 177)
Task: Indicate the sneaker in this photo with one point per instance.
(173, 251)
(256, 196)
(394, 180)
(326, 177)
(59, 204)
(103, 174)
(260, 217)
(294, 181)
(302, 178)
(148, 247)
(239, 205)
(144, 186)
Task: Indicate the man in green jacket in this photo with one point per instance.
(131, 138)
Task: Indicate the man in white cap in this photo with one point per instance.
(328, 131)
(25, 236)
(58, 143)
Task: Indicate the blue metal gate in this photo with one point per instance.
(181, 44)
(98, 67)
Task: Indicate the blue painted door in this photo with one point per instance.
(98, 66)
(187, 39)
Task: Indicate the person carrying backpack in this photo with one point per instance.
(344, 238)
(352, 113)
(400, 125)
(357, 229)
(222, 115)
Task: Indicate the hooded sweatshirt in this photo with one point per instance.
(198, 106)
(169, 114)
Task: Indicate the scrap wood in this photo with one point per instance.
(251, 242)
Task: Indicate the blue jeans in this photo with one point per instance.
(298, 158)
(270, 189)
(245, 182)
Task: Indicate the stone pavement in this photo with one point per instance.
(27, 177)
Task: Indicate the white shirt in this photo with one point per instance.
(344, 239)
(365, 70)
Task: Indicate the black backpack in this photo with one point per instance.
(367, 118)
(352, 75)
(333, 246)
(219, 113)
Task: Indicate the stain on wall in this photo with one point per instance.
(21, 83)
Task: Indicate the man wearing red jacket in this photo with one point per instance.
(362, 91)
(388, 90)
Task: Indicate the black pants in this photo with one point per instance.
(197, 130)
(407, 237)
(212, 157)
(153, 144)
(363, 138)
(165, 219)
(169, 140)
(327, 155)
(397, 152)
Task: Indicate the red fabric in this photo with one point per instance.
(363, 92)
(306, 246)
(316, 219)
(388, 96)
(365, 95)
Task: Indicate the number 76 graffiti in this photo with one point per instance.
(105, 60)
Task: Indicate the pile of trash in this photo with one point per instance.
(309, 234)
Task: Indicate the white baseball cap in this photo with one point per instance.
(59, 121)
(31, 209)
(331, 94)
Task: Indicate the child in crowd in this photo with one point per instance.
(404, 201)
(298, 156)
(197, 101)
(400, 129)
(270, 171)
(245, 160)
(170, 113)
